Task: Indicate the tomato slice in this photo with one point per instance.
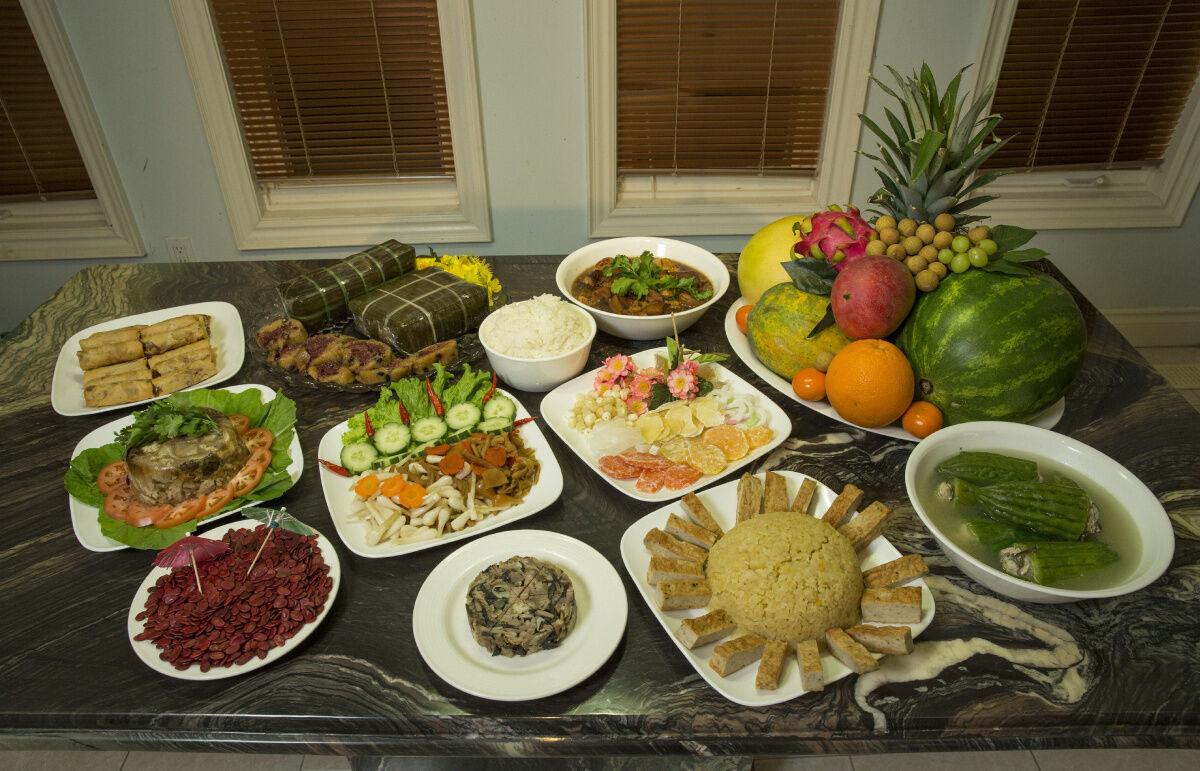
(116, 504)
(247, 479)
(261, 458)
(259, 437)
(216, 500)
(182, 512)
(112, 476)
(240, 422)
(143, 514)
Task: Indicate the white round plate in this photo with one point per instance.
(1047, 418)
(226, 336)
(85, 519)
(148, 652)
(444, 637)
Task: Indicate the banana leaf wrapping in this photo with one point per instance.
(419, 309)
(322, 296)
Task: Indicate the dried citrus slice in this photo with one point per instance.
(729, 439)
(675, 449)
(680, 476)
(759, 435)
(706, 458)
(651, 427)
(651, 480)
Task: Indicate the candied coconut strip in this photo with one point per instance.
(804, 496)
(770, 666)
(868, 525)
(846, 650)
(843, 506)
(729, 657)
(896, 572)
(808, 656)
(699, 513)
(702, 630)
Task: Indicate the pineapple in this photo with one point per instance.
(929, 158)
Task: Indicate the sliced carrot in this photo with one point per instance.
(392, 486)
(367, 486)
(477, 469)
(440, 449)
(495, 456)
(412, 495)
(451, 464)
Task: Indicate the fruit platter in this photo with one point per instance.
(660, 423)
(915, 315)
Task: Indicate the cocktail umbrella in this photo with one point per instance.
(189, 550)
(274, 518)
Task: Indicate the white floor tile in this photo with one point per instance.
(1018, 760)
(210, 761)
(1117, 760)
(55, 760)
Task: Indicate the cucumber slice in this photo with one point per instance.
(391, 438)
(462, 416)
(499, 406)
(429, 429)
(492, 425)
(358, 457)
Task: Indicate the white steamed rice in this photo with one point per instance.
(539, 328)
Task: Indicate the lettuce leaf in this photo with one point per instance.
(278, 415)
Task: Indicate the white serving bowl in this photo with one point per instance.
(643, 327)
(1149, 517)
(538, 375)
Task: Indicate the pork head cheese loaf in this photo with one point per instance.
(172, 470)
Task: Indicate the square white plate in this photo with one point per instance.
(557, 406)
(339, 497)
(739, 687)
(226, 335)
(85, 519)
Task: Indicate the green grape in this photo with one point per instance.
(989, 246)
(960, 244)
(960, 264)
(977, 256)
(945, 255)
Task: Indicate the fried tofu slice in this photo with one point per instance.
(901, 605)
(729, 657)
(851, 653)
(660, 544)
(893, 640)
(689, 533)
(868, 525)
(699, 513)
(843, 506)
(749, 497)
(702, 630)
(896, 572)
(770, 666)
(808, 656)
(804, 496)
(775, 497)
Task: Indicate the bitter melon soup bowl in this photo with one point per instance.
(688, 257)
(1135, 524)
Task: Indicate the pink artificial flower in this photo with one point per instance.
(636, 406)
(640, 387)
(618, 366)
(653, 374)
(602, 382)
(690, 366)
(682, 384)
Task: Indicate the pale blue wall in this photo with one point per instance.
(531, 71)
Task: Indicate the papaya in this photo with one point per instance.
(779, 323)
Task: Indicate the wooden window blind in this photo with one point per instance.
(1095, 83)
(39, 159)
(338, 88)
(733, 86)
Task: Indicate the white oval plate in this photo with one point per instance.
(444, 637)
(739, 687)
(339, 497)
(148, 652)
(1047, 418)
(66, 387)
(557, 405)
(85, 519)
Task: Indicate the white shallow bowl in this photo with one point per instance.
(1153, 524)
(148, 652)
(444, 638)
(538, 375)
(643, 327)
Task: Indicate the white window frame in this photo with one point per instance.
(281, 215)
(102, 227)
(667, 204)
(1112, 198)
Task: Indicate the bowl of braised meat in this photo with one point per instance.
(635, 286)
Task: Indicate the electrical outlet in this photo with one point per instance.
(179, 249)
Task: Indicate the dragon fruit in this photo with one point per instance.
(838, 236)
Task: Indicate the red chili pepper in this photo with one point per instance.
(491, 390)
(335, 468)
(437, 403)
(403, 412)
(523, 421)
(370, 427)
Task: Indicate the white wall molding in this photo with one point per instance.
(724, 204)
(99, 228)
(1156, 196)
(1153, 327)
(349, 213)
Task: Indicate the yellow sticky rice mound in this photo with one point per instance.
(786, 576)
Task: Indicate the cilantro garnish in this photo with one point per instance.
(638, 276)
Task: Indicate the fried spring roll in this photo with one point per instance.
(158, 340)
(129, 370)
(109, 393)
(182, 378)
(180, 358)
(116, 353)
(101, 339)
(179, 322)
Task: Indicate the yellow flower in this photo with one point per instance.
(468, 267)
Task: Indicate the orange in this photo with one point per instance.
(870, 383)
(809, 384)
(742, 314)
(922, 419)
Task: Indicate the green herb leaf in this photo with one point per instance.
(1010, 237)
(825, 322)
(672, 354)
(166, 419)
(811, 276)
(659, 395)
(1009, 268)
(1031, 254)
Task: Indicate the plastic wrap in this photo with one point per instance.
(322, 296)
(419, 309)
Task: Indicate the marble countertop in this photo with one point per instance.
(988, 673)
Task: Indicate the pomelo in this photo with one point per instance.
(760, 265)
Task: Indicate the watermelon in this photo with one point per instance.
(990, 346)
